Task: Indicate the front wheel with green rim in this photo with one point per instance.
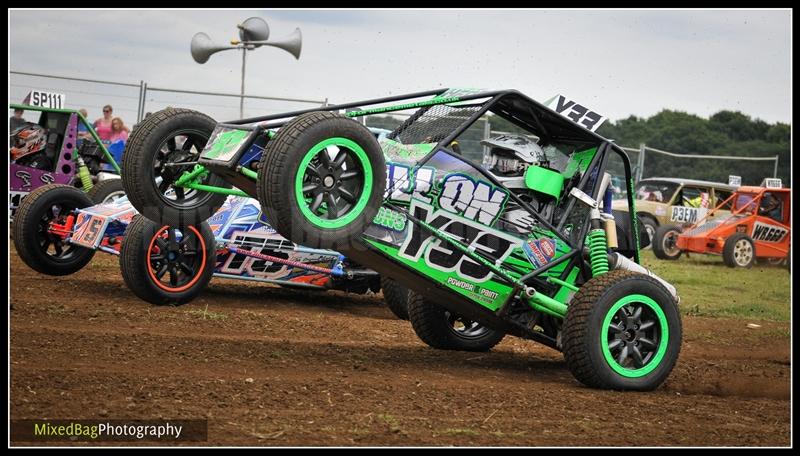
(622, 331)
(321, 180)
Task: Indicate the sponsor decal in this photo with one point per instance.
(26, 179)
(404, 182)
(768, 233)
(421, 243)
(540, 251)
(472, 199)
(272, 245)
(575, 112)
(88, 228)
(45, 99)
(684, 214)
(389, 219)
(224, 143)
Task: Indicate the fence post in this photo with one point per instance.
(640, 163)
(139, 110)
(487, 131)
(144, 100)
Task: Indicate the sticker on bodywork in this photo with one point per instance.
(576, 112)
(89, 230)
(224, 143)
(540, 251)
(687, 214)
(768, 233)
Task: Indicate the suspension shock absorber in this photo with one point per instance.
(596, 240)
(83, 174)
(598, 251)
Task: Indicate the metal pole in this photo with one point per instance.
(640, 163)
(241, 100)
(144, 99)
(139, 110)
(775, 171)
(487, 131)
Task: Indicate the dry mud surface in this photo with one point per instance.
(272, 366)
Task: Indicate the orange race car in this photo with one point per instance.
(758, 229)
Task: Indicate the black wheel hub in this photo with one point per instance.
(336, 182)
(464, 327)
(175, 156)
(61, 250)
(634, 336)
(167, 169)
(179, 258)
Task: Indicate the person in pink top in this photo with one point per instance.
(103, 125)
(118, 130)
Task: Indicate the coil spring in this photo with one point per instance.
(86, 177)
(597, 252)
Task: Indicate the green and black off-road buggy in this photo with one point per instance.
(524, 243)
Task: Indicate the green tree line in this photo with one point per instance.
(730, 133)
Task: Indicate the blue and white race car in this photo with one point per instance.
(58, 229)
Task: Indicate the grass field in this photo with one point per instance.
(709, 288)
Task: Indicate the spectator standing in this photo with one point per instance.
(103, 125)
(118, 130)
(17, 120)
(83, 129)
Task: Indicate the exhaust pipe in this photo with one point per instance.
(617, 261)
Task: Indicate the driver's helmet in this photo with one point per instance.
(506, 152)
(28, 139)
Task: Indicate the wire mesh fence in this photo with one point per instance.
(133, 101)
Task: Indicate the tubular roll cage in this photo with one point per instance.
(510, 105)
(97, 139)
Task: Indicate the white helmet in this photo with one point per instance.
(512, 153)
(523, 147)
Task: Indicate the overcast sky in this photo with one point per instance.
(617, 62)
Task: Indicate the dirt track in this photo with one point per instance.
(269, 366)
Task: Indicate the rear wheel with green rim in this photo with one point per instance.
(622, 331)
(321, 180)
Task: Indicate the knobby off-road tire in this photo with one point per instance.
(664, 242)
(439, 328)
(614, 319)
(36, 246)
(162, 274)
(106, 191)
(152, 151)
(321, 180)
(396, 297)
